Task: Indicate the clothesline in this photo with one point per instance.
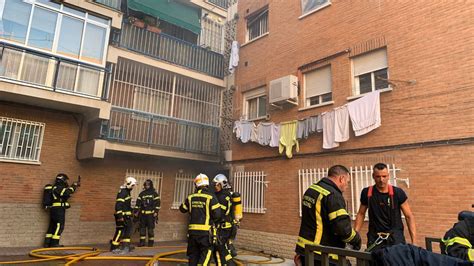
(364, 113)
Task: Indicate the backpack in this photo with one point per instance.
(47, 196)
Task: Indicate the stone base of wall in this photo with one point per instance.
(269, 243)
(25, 225)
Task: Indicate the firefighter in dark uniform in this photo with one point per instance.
(123, 218)
(222, 253)
(325, 220)
(61, 192)
(146, 209)
(459, 240)
(205, 212)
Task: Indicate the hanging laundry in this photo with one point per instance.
(237, 129)
(319, 124)
(264, 133)
(243, 130)
(312, 123)
(341, 124)
(288, 138)
(275, 135)
(302, 130)
(253, 135)
(328, 130)
(234, 56)
(365, 113)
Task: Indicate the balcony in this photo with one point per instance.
(220, 3)
(114, 4)
(41, 79)
(154, 131)
(169, 49)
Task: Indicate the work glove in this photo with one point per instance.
(356, 242)
(75, 185)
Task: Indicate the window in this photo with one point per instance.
(312, 5)
(55, 28)
(255, 104)
(251, 186)
(151, 101)
(370, 72)
(257, 24)
(141, 176)
(183, 186)
(317, 86)
(212, 34)
(20, 140)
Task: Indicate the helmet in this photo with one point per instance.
(221, 179)
(149, 182)
(130, 182)
(201, 180)
(62, 177)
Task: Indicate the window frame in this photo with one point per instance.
(307, 100)
(355, 78)
(256, 93)
(255, 16)
(314, 10)
(62, 11)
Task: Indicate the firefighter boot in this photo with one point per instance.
(151, 243)
(142, 242)
(47, 242)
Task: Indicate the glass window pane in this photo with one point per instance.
(381, 77)
(42, 28)
(70, 36)
(365, 83)
(262, 106)
(49, 3)
(14, 18)
(308, 5)
(97, 19)
(89, 81)
(314, 100)
(252, 113)
(74, 11)
(326, 97)
(94, 43)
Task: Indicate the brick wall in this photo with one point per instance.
(90, 219)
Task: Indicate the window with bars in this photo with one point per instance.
(183, 186)
(20, 140)
(141, 176)
(251, 186)
(361, 177)
(370, 72)
(257, 24)
(212, 34)
(318, 86)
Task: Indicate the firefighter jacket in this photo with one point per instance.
(148, 202)
(61, 193)
(459, 241)
(225, 200)
(325, 220)
(204, 209)
(123, 204)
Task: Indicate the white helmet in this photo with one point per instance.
(221, 179)
(201, 180)
(130, 182)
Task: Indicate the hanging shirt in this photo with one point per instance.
(312, 123)
(302, 130)
(275, 135)
(288, 138)
(341, 124)
(328, 130)
(234, 56)
(319, 124)
(264, 133)
(365, 113)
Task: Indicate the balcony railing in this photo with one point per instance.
(31, 67)
(170, 49)
(115, 4)
(135, 127)
(220, 3)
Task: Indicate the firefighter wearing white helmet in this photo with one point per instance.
(205, 213)
(123, 218)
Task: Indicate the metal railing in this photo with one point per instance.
(220, 3)
(361, 258)
(115, 4)
(183, 186)
(251, 185)
(170, 49)
(52, 72)
(141, 128)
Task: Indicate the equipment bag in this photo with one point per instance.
(48, 196)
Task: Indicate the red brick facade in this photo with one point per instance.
(431, 44)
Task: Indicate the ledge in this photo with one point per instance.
(315, 106)
(350, 98)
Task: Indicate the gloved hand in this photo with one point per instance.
(356, 242)
(75, 185)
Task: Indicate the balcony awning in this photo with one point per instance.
(170, 11)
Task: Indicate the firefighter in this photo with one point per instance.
(146, 209)
(222, 187)
(459, 240)
(205, 212)
(123, 218)
(61, 192)
(325, 220)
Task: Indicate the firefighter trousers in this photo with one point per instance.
(147, 223)
(199, 250)
(222, 254)
(123, 231)
(56, 226)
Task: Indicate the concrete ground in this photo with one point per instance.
(249, 258)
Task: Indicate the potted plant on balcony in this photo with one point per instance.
(152, 24)
(136, 22)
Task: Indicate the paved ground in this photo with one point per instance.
(13, 254)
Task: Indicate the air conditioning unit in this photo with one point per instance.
(284, 90)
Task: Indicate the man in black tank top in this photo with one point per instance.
(385, 204)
